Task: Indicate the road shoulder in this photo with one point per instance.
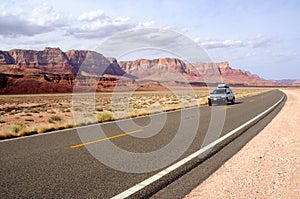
(268, 166)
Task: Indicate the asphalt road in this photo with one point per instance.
(102, 161)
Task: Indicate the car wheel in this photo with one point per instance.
(233, 100)
(209, 103)
(226, 101)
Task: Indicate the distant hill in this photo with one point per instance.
(199, 72)
(288, 81)
(54, 71)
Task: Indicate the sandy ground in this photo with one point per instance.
(267, 167)
(24, 114)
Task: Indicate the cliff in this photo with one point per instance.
(143, 67)
(53, 60)
(54, 71)
(208, 72)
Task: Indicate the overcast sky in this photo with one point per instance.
(262, 37)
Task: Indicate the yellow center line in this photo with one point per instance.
(107, 138)
(224, 108)
(251, 100)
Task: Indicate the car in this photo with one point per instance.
(221, 95)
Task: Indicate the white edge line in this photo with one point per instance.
(90, 125)
(171, 168)
(97, 124)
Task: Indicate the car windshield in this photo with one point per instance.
(219, 91)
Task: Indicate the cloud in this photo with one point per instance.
(96, 24)
(256, 42)
(93, 15)
(158, 42)
(259, 41)
(213, 44)
(12, 26)
(18, 22)
(44, 19)
(39, 24)
(147, 24)
(45, 15)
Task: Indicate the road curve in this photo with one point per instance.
(83, 164)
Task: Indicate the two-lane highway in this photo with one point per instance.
(104, 160)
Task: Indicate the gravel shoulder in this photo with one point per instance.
(267, 167)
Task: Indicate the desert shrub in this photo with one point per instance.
(77, 109)
(29, 119)
(2, 112)
(35, 110)
(65, 110)
(99, 108)
(45, 129)
(108, 108)
(13, 129)
(54, 119)
(52, 112)
(141, 112)
(104, 116)
(16, 130)
(2, 121)
(13, 112)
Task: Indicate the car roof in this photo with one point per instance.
(220, 88)
(223, 86)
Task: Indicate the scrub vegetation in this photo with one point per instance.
(31, 114)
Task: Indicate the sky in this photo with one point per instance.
(262, 37)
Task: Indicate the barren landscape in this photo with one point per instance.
(150, 99)
(25, 75)
(39, 113)
(267, 167)
(53, 71)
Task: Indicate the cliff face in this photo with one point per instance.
(53, 60)
(209, 72)
(52, 70)
(48, 60)
(143, 68)
(226, 73)
(60, 83)
(76, 57)
(90, 63)
(6, 58)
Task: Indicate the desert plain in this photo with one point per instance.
(39, 113)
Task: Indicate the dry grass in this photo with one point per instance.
(58, 111)
(16, 130)
(104, 116)
(54, 119)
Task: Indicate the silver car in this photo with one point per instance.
(221, 95)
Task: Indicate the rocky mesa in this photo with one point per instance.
(53, 71)
(53, 60)
(192, 72)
